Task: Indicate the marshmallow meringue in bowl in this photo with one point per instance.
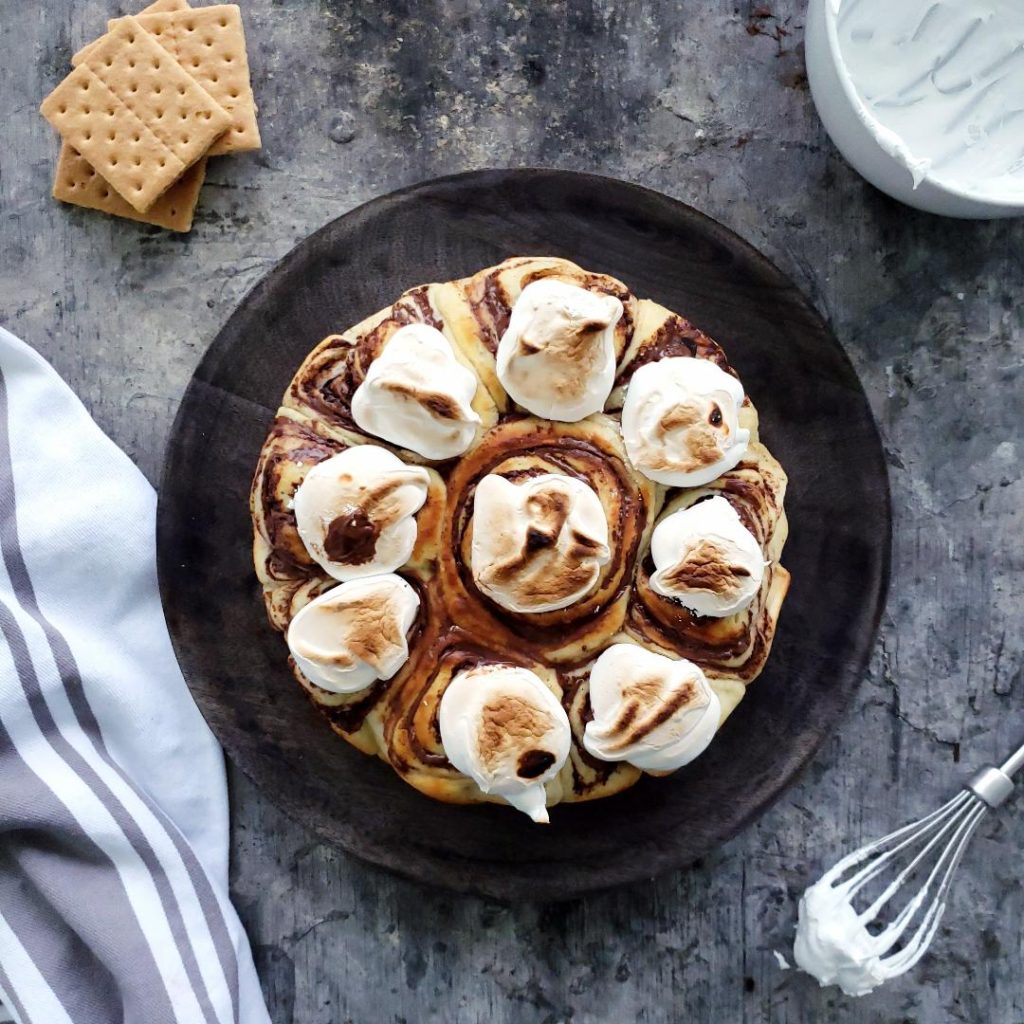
(706, 559)
(680, 421)
(417, 395)
(503, 727)
(655, 712)
(538, 544)
(355, 633)
(557, 357)
(356, 511)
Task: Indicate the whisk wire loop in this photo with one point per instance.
(858, 950)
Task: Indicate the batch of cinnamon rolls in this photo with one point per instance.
(521, 536)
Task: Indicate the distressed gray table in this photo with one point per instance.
(706, 100)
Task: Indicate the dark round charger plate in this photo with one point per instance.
(814, 416)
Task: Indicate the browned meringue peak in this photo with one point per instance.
(504, 728)
(538, 544)
(657, 713)
(417, 394)
(355, 512)
(355, 633)
(707, 559)
(680, 421)
(557, 357)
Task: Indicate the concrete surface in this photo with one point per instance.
(708, 102)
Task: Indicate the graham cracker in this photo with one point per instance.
(209, 43)
(76, 182)
(154, 8)
(135, 114)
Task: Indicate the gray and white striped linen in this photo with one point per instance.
(113, 803)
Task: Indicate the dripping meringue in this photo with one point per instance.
(706, 559)
(655, 712)
(503, 727)
(680, 421)
(538, 544)
(355, 511)
(557, 357)
(356, 633)
(416, 394)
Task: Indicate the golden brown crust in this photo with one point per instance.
(458, 627)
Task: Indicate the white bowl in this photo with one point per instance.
(851, 127)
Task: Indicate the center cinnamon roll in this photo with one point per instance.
(511, 557)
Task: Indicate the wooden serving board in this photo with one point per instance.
(814, 418)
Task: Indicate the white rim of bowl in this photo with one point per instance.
(871, 122)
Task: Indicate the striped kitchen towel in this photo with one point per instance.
(114, 901)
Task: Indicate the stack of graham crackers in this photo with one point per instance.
(144, 107)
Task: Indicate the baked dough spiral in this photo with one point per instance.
(582, 515)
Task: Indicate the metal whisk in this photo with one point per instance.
(858, 950)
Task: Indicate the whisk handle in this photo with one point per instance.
(1013, 763)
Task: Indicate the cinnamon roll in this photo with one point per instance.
(421, 396)
(554, 585)
(521, 536)
(701, 606)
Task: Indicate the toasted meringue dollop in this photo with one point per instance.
(355, 511)
(501, 726)
(538, 544)
(417, 395)
(355, 634)
(557, 357)
(680, 421)
(707, 559)
(655, 712)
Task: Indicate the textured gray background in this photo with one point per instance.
(708, 102)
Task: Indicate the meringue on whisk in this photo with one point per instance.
(840, 945)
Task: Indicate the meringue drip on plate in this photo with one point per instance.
(416, 394)
(355, 633)
(680, 421)
(706, 559)
(655, 712)
(504, 728)
(538, 544)
(557, 357)
(355, 512)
